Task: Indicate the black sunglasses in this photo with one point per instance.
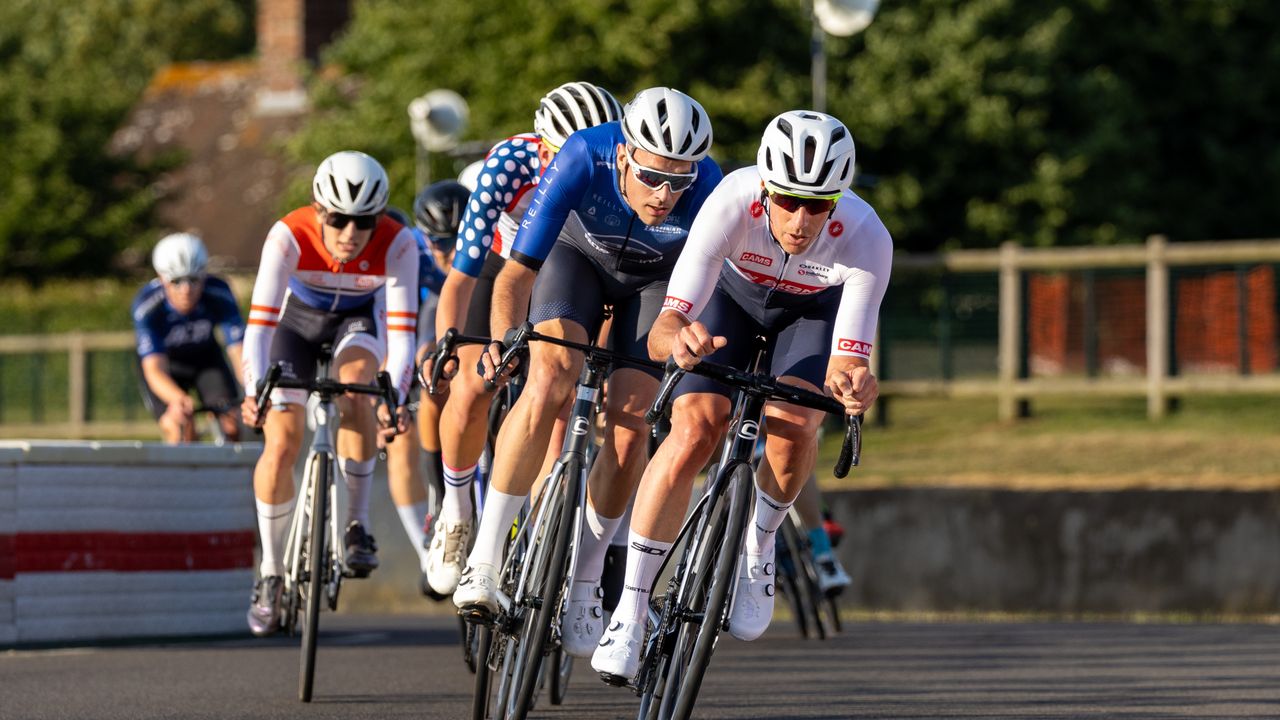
(792, 203)
(339, 221)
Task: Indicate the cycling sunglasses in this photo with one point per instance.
(339, 221)
(187, 280)
(655, 179)
(792, 203)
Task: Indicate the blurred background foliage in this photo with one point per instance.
(1080, 122)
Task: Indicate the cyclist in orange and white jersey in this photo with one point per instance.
(337, 272)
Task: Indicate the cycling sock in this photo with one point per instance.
(495, 525)
(644, 558)
(623, 529)
(359, 477)
(457, 493)
(273, 525)
(819, 543)
(435, 471)
(413, 517)
(593, 543)
(766, 521)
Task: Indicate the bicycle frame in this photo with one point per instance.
(323, 442)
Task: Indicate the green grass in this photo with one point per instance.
(1210, 442)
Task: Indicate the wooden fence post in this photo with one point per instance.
(1010, 329)
(1157, 326)
(78, 383)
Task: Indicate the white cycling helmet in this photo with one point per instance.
(572, 107)
(351, 183)
(179, 255)
(669, 123)
(806, 153)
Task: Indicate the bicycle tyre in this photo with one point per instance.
(561, 670)
(316, 551)
(698, 645)
(480, 698)
(788, 583)
(547, 582)
(808, 594)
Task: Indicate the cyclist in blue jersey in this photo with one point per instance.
(624, 195)
(504, 188)
(174, 317)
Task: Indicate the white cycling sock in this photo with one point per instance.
(273, 525)
(413, 517)
(764, 524)
(644, 557)
(593, 542)
(358, 475)
(624, 527)
(457, 493)
(500, 510)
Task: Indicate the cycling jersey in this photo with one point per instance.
(161, 329)
(295, 260)
(731, 242)
(430, 276)
(579, 194)
(502, 194)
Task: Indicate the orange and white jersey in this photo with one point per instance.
(295, 262)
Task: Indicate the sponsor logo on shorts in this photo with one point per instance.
(757, 259)
(854, 346)
(676, 303)
(836, 228)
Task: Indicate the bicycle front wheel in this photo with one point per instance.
(314, 587)
(709, 604)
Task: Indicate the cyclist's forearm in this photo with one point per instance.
(155, 370)
(663, 333)
(455, 297)
(511, 291)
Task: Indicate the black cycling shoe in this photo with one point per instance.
(362, 551)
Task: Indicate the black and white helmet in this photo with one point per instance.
(351, 183)
(572, 107)
(439, 207)
(179, 255)
(669, 123)
(806, 153)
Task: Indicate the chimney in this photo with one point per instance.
(291, 34)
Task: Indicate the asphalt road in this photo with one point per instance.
(404, 666)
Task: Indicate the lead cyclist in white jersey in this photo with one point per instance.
(781, 249)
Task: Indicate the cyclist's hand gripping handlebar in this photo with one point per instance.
(265, 386)
(670, 378)
(512, 345)
(441, 357)
(390, 398)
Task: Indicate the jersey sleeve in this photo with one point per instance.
(430, 276)
(864, 288)
(402, 309)
(719, 220)
(225, 311)
(149, 340)
(508, 170)
(280, 256)
(560, 191)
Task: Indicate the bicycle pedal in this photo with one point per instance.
(614, 680)
(476, 615)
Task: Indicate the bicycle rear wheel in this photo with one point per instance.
(809, 595)
(708, 596)
(315, 551)
(788, 583)
(560, 670)
(546, 582)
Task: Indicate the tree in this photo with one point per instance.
(69, 73)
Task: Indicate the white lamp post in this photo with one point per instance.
(837, 17)
(437, 120)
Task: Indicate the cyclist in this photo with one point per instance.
(781, 249)
(174, 317)
(321, 281)
(503, 193)
(627, 193)
(437, 210)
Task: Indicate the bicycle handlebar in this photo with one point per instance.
(384, 390)
(443, 353)
(768, 385)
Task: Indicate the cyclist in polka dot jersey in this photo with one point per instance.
(502, 194)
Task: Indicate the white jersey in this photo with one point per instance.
(730, 242)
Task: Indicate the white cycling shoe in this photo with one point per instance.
(477, 593)
(446, 555)
(583, 619)
(617, 657)
(753, 600)
(832, 578)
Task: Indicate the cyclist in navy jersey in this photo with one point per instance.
(174, 317)
(624, 196)
(784, 250)
(503, 190)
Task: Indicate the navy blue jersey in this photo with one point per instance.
(579, 193)
(161, 329)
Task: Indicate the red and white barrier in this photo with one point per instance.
(120, 540)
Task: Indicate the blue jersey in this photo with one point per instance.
(161, 329)
(579, 194)
(502, 194)
(430, 276)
